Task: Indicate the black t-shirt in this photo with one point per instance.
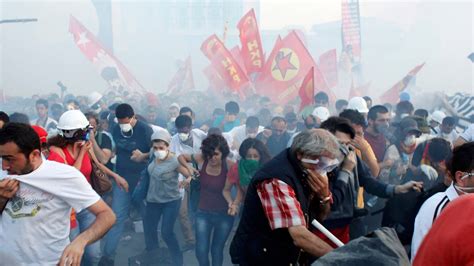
(125, 144)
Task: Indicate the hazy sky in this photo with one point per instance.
(35, 56)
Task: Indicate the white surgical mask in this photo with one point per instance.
(410, 140)
(183, 136)
(160, 154)
(125, 127)
(172, 119)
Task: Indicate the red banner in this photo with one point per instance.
(321, 85)
(252, 50)
(328, 66)
(225, 64)
(109, 67)
(286, 66)
(183, 79)
(237, 54)
(306, 91)
(392, 95)
(351, 27)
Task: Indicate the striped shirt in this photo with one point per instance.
(280, 205)
(429, 211)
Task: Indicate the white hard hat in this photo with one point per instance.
(359, 104)
(322, 113)
(73, 119)
(161, 134)
(437, 116)
(94, 97)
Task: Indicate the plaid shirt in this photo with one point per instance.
(280, 205)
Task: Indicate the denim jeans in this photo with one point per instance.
(92, 252)
(121, 202)
(169, 212)
(206, 223)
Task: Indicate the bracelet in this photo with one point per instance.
(326, 200)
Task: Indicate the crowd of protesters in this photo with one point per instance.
(215, 164)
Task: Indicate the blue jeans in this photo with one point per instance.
(153, 213)
(92, 252)
(206, 223)
(120, 205)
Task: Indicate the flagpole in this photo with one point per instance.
(23, 20)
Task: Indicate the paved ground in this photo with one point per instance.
(133, 244)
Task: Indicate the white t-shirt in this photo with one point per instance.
(468, 134)
(428, 212)
(35, 225)
(239, 134)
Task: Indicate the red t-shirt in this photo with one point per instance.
(378, 144)
(86, 166)
(233, 174)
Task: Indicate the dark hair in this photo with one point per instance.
(4, 117)
(354, 117)
(124, 110)
(258, 145)
(404, 107)
(213, 142)
(421, 113)
(218, 111)
(252, 122)
(214, 131)
(183, 121)
(19, 118)
(375, 110)
(367, 98)
(22, 135)
(92, 115)
(341, 103)
(449, 121)
(321, 97)
(58, 141)
(462, 159)
(334, 123)
(278, 119)
(232, 107)
(43, 102)
(185, 109)
(439, 150)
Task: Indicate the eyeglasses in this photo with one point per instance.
(467, 175)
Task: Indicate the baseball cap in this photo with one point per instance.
(409, 125)
(42, 134)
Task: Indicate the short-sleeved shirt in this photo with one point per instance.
(164, 184)
(86, 166)
(125, 145)
(105, 142)
(34, 227)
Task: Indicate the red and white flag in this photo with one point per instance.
(109, 67)
(393, 94)
(252, 50)
(306, 91)
(183, 80)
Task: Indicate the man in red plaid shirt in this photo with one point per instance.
(282, 199)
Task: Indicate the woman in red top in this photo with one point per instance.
(72, 146)
(253, 154)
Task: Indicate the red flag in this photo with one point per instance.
(183, 79)
(392, 95)
(351, 27)
(237, 54)
(306, 91)
(109, 67)
(321, 85)
(225, 64)
(286, 66)
(252, 50)
(215, 80)
(328, 66)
